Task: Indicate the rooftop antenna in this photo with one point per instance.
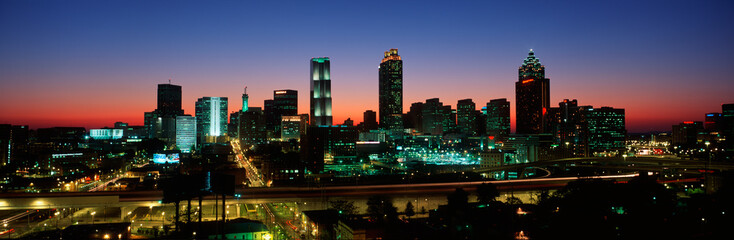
(169, 80)
(245, 89)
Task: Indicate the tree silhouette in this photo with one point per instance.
(487, 193)
(409, 210)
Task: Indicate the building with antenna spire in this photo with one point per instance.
(532, 96)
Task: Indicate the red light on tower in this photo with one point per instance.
(527, 81)
(688, 122)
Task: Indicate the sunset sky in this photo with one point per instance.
(92, 63)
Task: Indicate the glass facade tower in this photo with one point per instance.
(211, 117)
(391, 91)
(321, 92)
(532, 96)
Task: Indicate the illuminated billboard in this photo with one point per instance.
(165, 158)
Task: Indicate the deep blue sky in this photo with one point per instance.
(90, 63)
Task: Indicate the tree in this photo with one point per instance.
(381, 208)
(459, 199)
(423, 210)
(344, 207)
(409, 211)
(512, 200)
(487, 193)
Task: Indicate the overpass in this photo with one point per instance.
(649, 163)
(12, 201)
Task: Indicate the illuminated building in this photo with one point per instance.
(185, 133)
(712, 122)
(284, 103)
(568, 127)
(606, 130)
(161, 123)
(290, 128)
(498, 118)
(211, 118)
(330, 145)
(252, 129)
(321, 92)
(532, 96)
(727, 126)
(105, 134)
(13, 143)
(245, 100)
(686, 133)
(369, 121)
(437, 118)
(391, 91)
(466, 117)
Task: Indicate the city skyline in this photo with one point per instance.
(657, 76)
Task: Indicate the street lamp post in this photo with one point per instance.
(93, 217)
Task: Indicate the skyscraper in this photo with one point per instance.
(211, 117)
(185, 133)
(466, 117)
(532, 96)
(169, 100)
(498, 118)
(437, 118)
(321, 92)
(606, 129)
(252, 128)
(284, 103)
(391, 90)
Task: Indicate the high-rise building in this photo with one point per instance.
(369, 120)
(161, 122)
(13, 143)
(169, 100)
(437, 118)
(414, 117)
(284, 103)
(391, 91)
(532, 96)
(606, 130)
(727, 126)
(330, 145)
(466, 117)
(498, 118)
(252, 129)
(185, 133)
(569, 127)
(211, 118)
(686, 133)
(321, 92)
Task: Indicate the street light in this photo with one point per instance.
(93, 213)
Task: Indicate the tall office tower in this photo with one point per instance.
(466, 117)
(437, 118)
(14, 144)
(605, 128)
(568, 127)
(234, 124)
(169, 100)
(245, 100)
(370, 120)
(498, 118)
(211, 118)
(532, 96)
(414, 117)
(161, 122)
(321, 92)
(284, 103)
(185, 133)
(391, 91)
(252, 129)
(330, 146)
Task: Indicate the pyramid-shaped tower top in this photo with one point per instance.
(531, 68)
